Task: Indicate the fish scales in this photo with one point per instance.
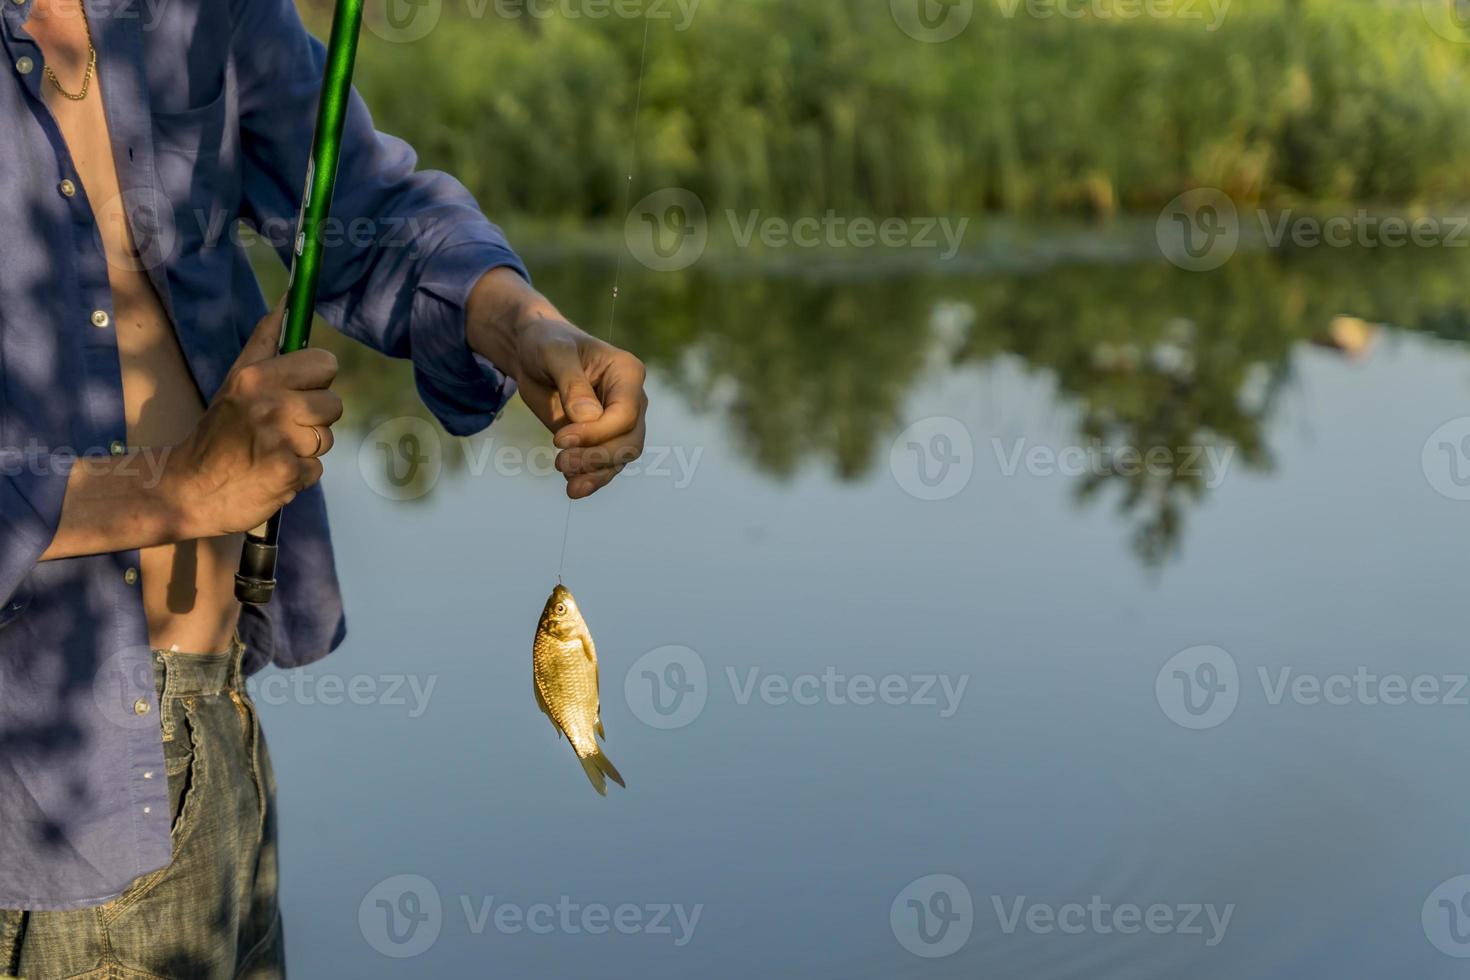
(564, 671)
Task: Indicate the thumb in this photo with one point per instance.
(578, 400)
(265, 341)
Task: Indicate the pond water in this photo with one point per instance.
(892, 598)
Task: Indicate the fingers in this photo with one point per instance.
(311, 441)
(293, 420)
(624, 403)
(314, 408)
(302, 370)
(288, 477)
(265, 340)
(596, 450)
(306, 418)
(617, 452)
(589, 470)
(579, 401)
(585, 486)
(310, 473)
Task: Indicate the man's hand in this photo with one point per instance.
(261, 440)
(256, 446)
(586, 391)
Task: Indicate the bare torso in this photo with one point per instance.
(188, 588)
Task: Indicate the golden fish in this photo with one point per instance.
(564, 665)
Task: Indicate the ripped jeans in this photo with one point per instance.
(212, 913)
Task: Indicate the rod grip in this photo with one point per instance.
(256, 579)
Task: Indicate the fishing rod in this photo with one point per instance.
(256, 579)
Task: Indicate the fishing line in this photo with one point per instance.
(612, 315)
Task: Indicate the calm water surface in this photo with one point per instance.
(999, 684)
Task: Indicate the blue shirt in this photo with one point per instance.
(211, 106)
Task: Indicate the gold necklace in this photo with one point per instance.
(91, 63)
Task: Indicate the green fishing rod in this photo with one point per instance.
(256, 579)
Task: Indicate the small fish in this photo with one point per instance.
(564, 666)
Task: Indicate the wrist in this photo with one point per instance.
(169, 499)
(501, 307)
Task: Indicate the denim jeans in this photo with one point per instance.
(212, 912)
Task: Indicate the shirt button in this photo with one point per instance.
(24, 65)
(130, 576)
(117, 448)
(147, 775)
(140, 707)
(100, 318)
(68, 189)
(148, 809)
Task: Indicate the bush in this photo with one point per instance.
(795, 106)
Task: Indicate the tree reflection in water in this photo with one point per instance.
(817, 368)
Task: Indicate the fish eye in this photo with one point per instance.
(561, 608)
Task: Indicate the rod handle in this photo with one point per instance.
(256, 579)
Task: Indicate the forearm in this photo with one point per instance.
(500, 306)
(117, 504)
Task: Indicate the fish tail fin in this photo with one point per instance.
(597, 766)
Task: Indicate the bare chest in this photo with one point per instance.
(162, 401)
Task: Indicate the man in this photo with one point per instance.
(144, 424)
